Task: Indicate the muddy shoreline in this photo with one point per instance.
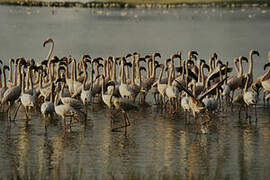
(227, 4)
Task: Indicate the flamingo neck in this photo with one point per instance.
(148, 69)
(170, 77)
(266, 76)
(105, 68)
(127, 73)
(122, 72)
(246, 84)
(241, 68)
(15, 75)
(10, 71)
(51, 94)
(50, 52)
(153, 75)
(91, 75)
(4, 79)
(74, 70)
(22, 83)
(133, 71)
(114, 70)
(84, 80)
(250, 71)
(140, 78)
(160, 75)
(235, 63)
(40, 79)
(103, 85)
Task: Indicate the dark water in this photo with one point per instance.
(157, 145)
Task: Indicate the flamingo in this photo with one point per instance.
(250, 98)
(124, 89)
(4, 88)
(172, 92)
(13, 93)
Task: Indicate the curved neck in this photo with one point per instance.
(51, 93)
(133, 71)
(105, 68)
(1, 79)
(109, 69)
(173, 71)
(96, 70)
(10, 71)
(31, 80)
(37, 79)
(56, 99)
(183, 69)
(235, 63)
(122, 72)
(246, 84)
(84, 80)
(40, 79)
(4, 79)
(148, 69)
(170, 77)
(114, 70)
(200, 73)
(127, 73)
(140, 77)
(137, 66)
(220, 74)
(186, 73)
(67, 71)
(194, 89)
(241, 68)
(153, 67)
(22, 82)
(58, 71)
(49, 71)
(92, 75)
(202, 76)
(15, 75)
(53, 71)
(74, 70)
(250, 71)
(266, 75)
(27, 77)
(103, 85)
(160, 75)
(20, 75)
(51, 51)
(211, 63)
(111, 95)
(62, 90)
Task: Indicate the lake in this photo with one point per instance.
(157, 145)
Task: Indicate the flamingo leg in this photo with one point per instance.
(26, 113)
(65, 121)
(232, 96)
(17, 111)
(127, 119)
(126, 122)
(263, 99)
(256, 112)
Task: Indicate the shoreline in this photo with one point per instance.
(134, 4)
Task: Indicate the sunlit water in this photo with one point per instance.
(157, 145)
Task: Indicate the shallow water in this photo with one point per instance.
(157, 145)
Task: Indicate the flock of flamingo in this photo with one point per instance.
(119, 83)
